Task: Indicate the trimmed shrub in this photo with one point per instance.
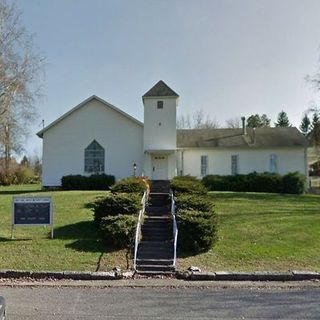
(187, 184)
(257, 182)
(294, 182)
(93, 182)
(264, 182)
(131, 184)
(193, 202)
(185, 178)
(197, 230)
(116, 204)
(118, 231)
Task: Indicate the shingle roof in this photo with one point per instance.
(160, 90)
(225, 138)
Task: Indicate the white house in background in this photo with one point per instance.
(97, 137)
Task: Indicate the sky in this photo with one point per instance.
(230, 58)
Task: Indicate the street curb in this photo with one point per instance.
(249, 276)
(294, 275)
(71, 275)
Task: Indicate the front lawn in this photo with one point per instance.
(76, 244)
(256, 232)
(263, 232)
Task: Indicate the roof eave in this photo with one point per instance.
(41, 132)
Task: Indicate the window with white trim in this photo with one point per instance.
(94, 158)
(235, 164)
(204, 165)
(160, 104)
(273, 163)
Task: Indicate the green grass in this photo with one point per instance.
(76, 244)
(256, 232)
(263, 232)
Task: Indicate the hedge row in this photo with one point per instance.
(93, 182)
(196, 218)
(294, 183)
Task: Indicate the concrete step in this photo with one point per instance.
(155, 273)
(160, 186)
(157, 224)
(156, 237)
(155, 255)
(158, 209)
(155, 268)
(166, 262)
(156, 244)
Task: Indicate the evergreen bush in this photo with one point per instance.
(294, 183)
(118, 231)
(197, 230)
(187, 184)
(193, 202)
(131, 184)
(257, 182)
(116, 204)
(93, 182)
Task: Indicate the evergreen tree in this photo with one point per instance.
(305, 125)
(257, 121)
(25, 161)
(282, 120)
(315, 128)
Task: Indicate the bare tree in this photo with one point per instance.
(184, 122)
(198, 120)
(234, 123)
(20, 74)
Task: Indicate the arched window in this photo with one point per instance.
(94, 158)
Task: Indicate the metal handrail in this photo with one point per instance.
(174, 228)
(138, 229)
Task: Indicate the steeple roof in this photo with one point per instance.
(160, 90)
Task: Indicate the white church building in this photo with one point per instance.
(97, 137)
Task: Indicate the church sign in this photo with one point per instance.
(32, 211)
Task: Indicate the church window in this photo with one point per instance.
(204, 165)
(234, 164)
(94, 158)
(160, 104)
(273, 163)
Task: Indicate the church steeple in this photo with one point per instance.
(159, 131)
(160, 89)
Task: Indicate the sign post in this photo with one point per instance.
(32, 211)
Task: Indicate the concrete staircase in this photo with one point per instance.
(155, 250)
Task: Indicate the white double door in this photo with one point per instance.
(159, 167)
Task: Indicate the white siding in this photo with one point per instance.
(160, 124)
(65, 142)
(219, 161)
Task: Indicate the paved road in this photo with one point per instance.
(68, 303)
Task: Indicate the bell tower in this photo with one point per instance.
(160, 133)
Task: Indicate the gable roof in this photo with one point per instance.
(227, 138)
(83, 103)
(160, 89)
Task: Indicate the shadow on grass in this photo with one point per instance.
(86, 235)
(82, 230)
(14, 239)
(16, 192)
